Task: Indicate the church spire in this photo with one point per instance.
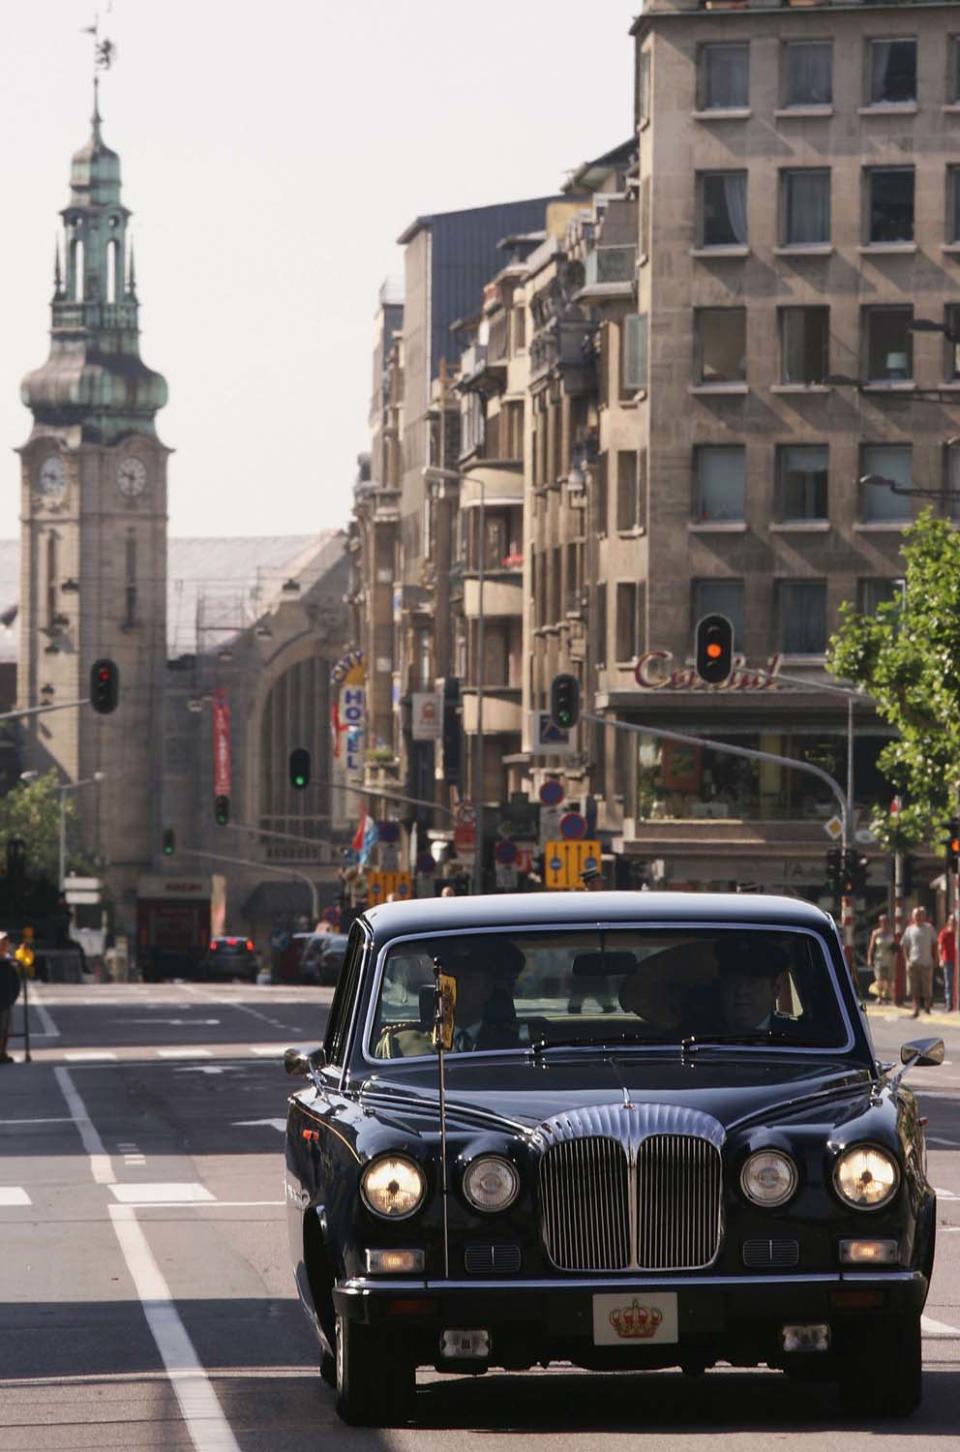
(57, 274)
(96, 119)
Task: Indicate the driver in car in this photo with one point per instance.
(752, 980)
(486, 969)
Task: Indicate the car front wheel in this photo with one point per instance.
(374, 1386)
(882, 1375)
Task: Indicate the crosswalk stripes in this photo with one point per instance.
(14, 1195)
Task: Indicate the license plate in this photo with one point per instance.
(635, 1318)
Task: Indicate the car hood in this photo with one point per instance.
(519, 1094)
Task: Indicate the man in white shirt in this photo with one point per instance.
(919, 946)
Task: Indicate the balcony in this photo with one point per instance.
(502, 710)
(563, 343)
(610, 272)
(501, 596)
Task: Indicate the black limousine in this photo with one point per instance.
(622, 1130)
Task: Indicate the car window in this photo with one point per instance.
(650, 985)
(341, 1011)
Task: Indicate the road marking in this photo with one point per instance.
(184, 1054)
(187, 1192)
(87, 1056)
(274, 1050)
(177, 1022)
(100, 1165)
(205, 1205)
(935, 1139)
(208, 1427)
(64, 1119)
(50, 1030)
(945, 1194)
(240, 1007)
(280, 1124)
(930, 1327)
(14, 1195)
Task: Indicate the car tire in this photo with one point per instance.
(374, 1388)
(883, 1375)
(328, 1369)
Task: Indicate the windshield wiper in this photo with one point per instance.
(542, 1044)
(758, 1036)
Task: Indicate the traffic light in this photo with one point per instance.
(834, 869)
(104, 686)
(853, 873)
(953, 844)
(221, 811)
(714, 649)
(169, 842)
(299, 766)
(565, 701)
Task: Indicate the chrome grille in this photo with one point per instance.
(584, 1203)
(678, 1202)
(766, 1254)
(492, 1258)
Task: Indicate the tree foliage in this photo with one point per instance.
(907, 656)
(31, 811)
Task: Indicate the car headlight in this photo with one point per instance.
(491, 1183)
(866, 1177)
(769, 1178)
(393, 1186)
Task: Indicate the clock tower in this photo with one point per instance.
(94, 533)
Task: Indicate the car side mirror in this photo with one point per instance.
(922, 1053)
(300, 1065)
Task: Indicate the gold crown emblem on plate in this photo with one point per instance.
(635, 1322)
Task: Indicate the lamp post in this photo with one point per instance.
(63, 788)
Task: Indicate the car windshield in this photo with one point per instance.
(535, 990)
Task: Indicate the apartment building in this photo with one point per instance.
(798, 370)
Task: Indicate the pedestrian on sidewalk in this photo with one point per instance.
(882, 958)
(9, 993)
(919, 946)
(947, 955)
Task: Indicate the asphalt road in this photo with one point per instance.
(145, 1292)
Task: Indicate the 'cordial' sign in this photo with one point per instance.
(652, 673)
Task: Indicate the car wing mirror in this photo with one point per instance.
(303, 1066)
(922, 1053)
(918, 1054)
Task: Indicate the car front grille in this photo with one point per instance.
(492, 1258)
(770, 1254)
(653, 1204)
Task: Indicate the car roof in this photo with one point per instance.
(537, 909)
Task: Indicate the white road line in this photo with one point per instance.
(208, 1427)
(14, 1195)
(935, 1139)
(930, 1327)
(64, 1119)
(89, 1056)
(184, 1054)
(210, 1204)
(275, 1051)
(50, 1030)
(100, 1166)
(184, 1192)
(240, 1007)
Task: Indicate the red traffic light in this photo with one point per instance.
(104, 686)
(714, 649)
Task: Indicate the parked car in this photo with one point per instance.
(664, 1139)
(331, 957)
(230, 957)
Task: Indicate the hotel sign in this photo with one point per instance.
(654, 672)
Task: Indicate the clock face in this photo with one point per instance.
(52, 477)
(132, 478)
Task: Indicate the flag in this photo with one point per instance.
(369, 839)
(357, 843)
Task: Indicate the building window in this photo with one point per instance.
(519, 329)
(805, 207)
(722, 209)
(720, 597)
(600, 639)
(953, 86)
(893, 72)
(633, 354)
(643, 86)
(802, 482)
(807, 73)
(721, 342)
(627, 620)
(888, 344)
(631, 490)
(601, 474)
(884, 465)
(721, 484)
(804, 345)
(130, 582)
(891, 204)
(724, 83)
(953, 204)
(874, 592)
(803, 617)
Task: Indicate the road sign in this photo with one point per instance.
(549, 824)
(466, 814)
(76, 898)
(573, 826)
(833, 828)
(81, 884)
(380, 885)
(505, 853)
(388, 831)
(565, 860)
(552, 793)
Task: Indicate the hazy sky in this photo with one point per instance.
(271, 153)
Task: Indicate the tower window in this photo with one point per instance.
(53, 568)
(130, 582)
(113, 262)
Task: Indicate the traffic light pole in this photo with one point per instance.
(43, 710)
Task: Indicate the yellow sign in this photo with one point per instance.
(25, 957)
(388, 886)
(443, 1029)
(564, 861)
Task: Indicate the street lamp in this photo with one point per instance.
(436, 475)
(908, 489)
(63, 788)
(930, 325)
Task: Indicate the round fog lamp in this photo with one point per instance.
(491, 1183)
(866, 1177)
(769, 1178)
(393, 1187)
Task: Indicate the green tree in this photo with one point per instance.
(907, 656)
(32, 811)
